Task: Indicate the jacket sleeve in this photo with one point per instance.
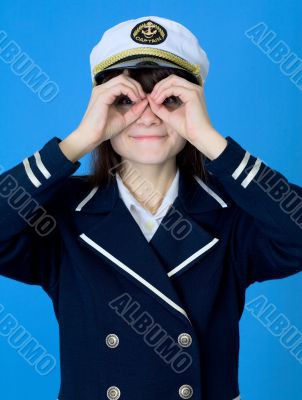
(266, 238)
(30, 245)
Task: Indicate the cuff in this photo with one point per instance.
(228, 160)
(48, 164)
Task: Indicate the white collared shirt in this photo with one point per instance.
(147, 221)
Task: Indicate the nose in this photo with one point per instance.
(148, 117)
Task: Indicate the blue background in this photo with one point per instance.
(247, 97)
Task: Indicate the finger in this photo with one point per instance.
(121, 89)
(159, 109)
(133, 83)
(123, 79)
(135, 111)
(94, 96)
(172, 79)
(183, 93)
(138, 86)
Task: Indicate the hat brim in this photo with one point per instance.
(145, 61)
(158, 56)
(134, 62)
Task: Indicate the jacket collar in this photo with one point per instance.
(167, 199)
(142, 261)
(195, 196)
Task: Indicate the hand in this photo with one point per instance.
(191, 118)
(102, 120)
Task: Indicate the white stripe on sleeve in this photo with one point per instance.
(241, 166)
(41, 166)
(30, 173)
(247, 180)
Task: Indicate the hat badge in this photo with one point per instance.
(148, 32)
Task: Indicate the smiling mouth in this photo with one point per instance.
(150, 137)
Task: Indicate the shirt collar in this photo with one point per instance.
(130, 200)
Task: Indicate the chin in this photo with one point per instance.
(148, 159)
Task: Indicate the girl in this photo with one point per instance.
(147, 259)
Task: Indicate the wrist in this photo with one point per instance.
(75, 145)
(211, 143)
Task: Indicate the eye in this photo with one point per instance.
(174, 101)
(123, 101)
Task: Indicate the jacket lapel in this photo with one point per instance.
(117, 238)
(180, 240)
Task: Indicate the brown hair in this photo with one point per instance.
(104, 158)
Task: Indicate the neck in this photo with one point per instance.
(148, 183)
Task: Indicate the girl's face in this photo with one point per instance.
(148, 140)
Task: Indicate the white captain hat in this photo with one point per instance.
(149, 42)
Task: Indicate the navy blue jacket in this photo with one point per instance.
(151, 320)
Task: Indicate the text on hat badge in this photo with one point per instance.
(148, 32)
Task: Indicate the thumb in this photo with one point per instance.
(135, 111)
(158, 109)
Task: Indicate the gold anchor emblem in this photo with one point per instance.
(148, 32)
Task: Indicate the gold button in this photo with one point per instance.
(113, 393)
(185, 339)
(112, 340)
(185, 391)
